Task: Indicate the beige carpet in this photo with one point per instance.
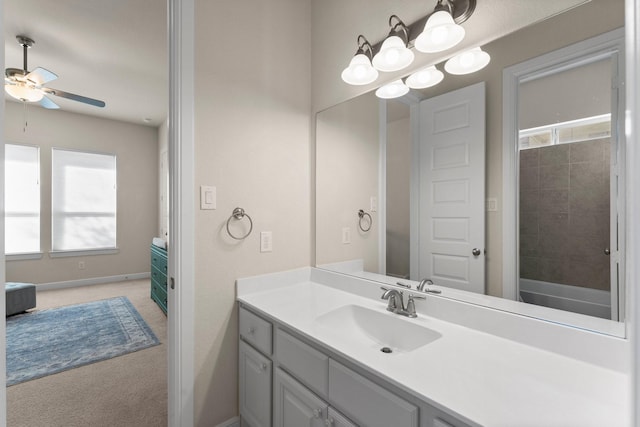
(129, 390)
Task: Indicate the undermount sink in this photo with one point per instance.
(379, 330)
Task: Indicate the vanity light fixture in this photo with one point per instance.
(467, 62)
(395, 89)
(360, 71)
(394, 54)
(440, 32)
(425, 78)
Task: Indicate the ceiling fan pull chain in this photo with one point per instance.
(26, 115)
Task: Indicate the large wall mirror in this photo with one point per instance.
(367, 167)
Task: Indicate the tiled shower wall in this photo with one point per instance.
(564, 214)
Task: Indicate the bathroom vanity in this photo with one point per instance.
(319, 348)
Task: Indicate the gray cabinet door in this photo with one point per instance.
(336, 419)
(294, 405)
(255, 387)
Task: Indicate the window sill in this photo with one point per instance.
(85, 252)
(22, 257)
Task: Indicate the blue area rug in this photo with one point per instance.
(46, 342)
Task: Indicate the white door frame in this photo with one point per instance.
(181, 183)
(512, 76)
(632, 272)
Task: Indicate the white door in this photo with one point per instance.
(451, 181)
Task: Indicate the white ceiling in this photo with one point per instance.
(112, 50)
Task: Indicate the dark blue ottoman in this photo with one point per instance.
(19, 297)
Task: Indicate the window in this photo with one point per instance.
(22, 199)
(585, 129)
(83, 200)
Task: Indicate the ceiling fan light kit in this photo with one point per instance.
(28, 86)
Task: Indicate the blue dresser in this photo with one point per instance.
(159, 277)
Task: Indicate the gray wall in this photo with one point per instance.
(136, 148)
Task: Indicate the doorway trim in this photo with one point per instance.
(181, 20)
(585, 51)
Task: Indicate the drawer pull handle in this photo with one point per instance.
(317, 413)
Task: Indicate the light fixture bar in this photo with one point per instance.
(461, 10)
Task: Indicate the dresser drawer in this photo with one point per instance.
(367, 403)
(158, 277)
(256, 331)
(302, 361)
(159, 259)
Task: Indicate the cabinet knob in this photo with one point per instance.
(328, 422)
(317, 413)
(263, 367)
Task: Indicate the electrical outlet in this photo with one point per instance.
(81, 265)
(346, 235)
(491, 204)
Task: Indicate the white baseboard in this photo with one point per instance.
(233, 422)
(91, 281)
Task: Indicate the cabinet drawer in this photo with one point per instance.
(305, 363)
(159, 259)
(256, 331)
(366, 402)
(158, 277)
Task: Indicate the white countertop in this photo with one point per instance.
(477, 377)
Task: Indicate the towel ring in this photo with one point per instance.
(361, 215)
(238, 214)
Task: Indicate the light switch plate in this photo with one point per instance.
(207, 197)
(266, 241)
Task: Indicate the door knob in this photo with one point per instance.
(607, 252)
(476, 252)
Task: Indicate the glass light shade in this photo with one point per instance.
(392, 90)
(424, 78)
(440, 33)
(360, 71)
(467, 62)
(393, 55)
(23, 92)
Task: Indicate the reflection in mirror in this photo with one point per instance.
(349, 178)
(568, 167)
(398, 181)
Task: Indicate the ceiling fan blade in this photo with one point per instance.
(74, 97)
(41, 76)
(49, 104)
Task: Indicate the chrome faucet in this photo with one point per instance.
(423, 283)
(395, 299)
(396, 304)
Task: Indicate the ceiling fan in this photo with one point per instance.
(28, 86)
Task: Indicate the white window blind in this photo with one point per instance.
(83, 200)
(22, 199)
